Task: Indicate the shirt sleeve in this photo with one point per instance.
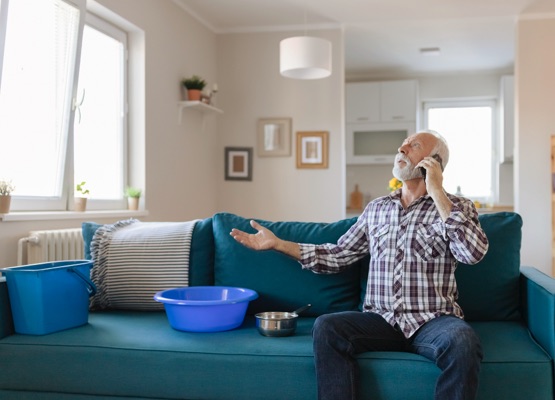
(467, 240)
(333, 258)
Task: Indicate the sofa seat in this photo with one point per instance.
(137, 355)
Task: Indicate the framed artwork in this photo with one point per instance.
(238, 163)
(274, 137)
(312, 149)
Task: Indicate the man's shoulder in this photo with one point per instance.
(382, 200)
(458, 199)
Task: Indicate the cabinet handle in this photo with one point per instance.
(362, 119)
(397, 117)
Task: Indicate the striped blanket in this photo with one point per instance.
(133, 260)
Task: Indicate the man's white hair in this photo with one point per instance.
(441, 147)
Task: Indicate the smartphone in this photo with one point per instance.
(438, 158)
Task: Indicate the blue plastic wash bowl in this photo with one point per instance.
(206, 308)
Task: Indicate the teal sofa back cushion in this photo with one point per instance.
(281, 283)
(201, 259)
(88, 229)
(489, 290)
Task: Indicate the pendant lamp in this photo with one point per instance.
(305, 57)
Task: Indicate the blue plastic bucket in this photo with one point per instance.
(49, 297)
(206, 308)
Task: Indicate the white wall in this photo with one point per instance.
(535, 123)
(252, 88)
(176, 162)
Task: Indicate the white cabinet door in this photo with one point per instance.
(362, 102)
(398, 101)
(375, 143)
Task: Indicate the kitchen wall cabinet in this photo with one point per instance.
(375, 143)
(387, 101)
(362, 103)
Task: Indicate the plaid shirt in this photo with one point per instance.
(413, 257)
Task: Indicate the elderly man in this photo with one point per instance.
(415, 237)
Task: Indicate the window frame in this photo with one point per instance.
(475, 102)
(120, 35)
(65, 202)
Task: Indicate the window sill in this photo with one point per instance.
(59, 215)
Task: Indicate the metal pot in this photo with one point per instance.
(278, 323)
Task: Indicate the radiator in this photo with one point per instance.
(50, 245)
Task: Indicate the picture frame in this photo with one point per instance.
(274, 137)
(238, 163)
(312, 149)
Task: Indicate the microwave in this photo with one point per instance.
(376, 143)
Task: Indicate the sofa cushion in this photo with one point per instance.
(137, 355)
(133, 260)
(280, 281)
(88, 229)
(201, 258)
(489, 290)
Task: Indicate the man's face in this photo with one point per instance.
(411, 152)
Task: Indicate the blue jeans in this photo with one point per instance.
(447, 340)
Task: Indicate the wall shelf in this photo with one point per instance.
(198, 106)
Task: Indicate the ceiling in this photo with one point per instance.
(383, 37)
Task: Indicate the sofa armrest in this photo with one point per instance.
(6, 321)
(538, 300)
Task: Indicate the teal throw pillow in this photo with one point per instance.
(88, 229)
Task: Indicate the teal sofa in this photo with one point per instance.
(137, 355)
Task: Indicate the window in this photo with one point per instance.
(468, 127)
(100, 112)
(62, 104)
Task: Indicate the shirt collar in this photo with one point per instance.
(395, 197)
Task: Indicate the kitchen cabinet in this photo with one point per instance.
(387, 101)
(375, 143)
(362, 103)
(398, 101)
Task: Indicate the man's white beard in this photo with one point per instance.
(406, 173)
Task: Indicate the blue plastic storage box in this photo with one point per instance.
(49, 297)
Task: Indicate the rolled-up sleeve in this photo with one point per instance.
(331, 258)
(467, 240)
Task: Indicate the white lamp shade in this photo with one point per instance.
(305, 57)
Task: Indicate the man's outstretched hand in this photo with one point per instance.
(263, 239)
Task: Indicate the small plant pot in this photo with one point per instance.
(133, 203)
(80, 203)
(5, 202)
(194, 94)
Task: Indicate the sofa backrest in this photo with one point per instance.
(280, 281)
(489, 290)
(201, 259)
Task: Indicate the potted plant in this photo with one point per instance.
(6, 189)
(80, 197)
(194, 86)
(133, 195)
